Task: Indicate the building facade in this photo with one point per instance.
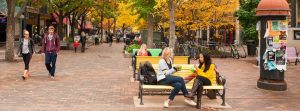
(294, 24)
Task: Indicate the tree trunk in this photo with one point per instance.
(123, 29)
(9, 52)
(60, 25)
(115, 21)
(73, 22)
(150, 31)
(101, 25)
(108, 26)
(162, 34)
(208, 35)
(172, 38)
(82, 23)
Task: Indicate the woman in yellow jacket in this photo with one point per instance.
(206, 75)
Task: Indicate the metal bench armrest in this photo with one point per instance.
(223, 80)
(141, 79)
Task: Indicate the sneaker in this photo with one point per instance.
(167, 103)
(190, 102)
(24, 78)
(52, 78)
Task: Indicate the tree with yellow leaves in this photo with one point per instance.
(195, 14)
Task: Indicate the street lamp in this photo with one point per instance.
(21, 27)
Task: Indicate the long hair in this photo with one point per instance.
(143, 47)
(167, 52)
(207, 62)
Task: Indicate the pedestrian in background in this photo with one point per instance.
(76, 44)
(110, 38)
(83, 41)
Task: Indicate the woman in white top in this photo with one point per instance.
(165, 77)
(26, 49)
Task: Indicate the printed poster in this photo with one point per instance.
(276, 41)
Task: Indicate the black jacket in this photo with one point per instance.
(83, 39)
(30, 44)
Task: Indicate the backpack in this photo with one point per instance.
(149, 73)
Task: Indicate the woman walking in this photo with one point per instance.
(83, 41)
(26, 49)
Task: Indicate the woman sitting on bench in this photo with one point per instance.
(143, 51)
(165, 77)
(206, 75)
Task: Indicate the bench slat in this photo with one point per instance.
(153, 87)
(155, 60)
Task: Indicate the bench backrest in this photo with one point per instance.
(155, 60)
(154, 52)
(185, 71)
(291, 52)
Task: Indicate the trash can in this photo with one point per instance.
(251, 47)
(212, 45)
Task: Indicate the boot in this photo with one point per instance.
(199, 96)
(195, 87)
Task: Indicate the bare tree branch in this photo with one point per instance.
(68, 13)
(22, 10)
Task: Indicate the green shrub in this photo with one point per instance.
(130, 48)
(70, 39)
(210, 52)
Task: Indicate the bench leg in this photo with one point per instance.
(141, 96)
(134, 74)
(297, 60)
(139, 91)
(199, 96)
(223, 97)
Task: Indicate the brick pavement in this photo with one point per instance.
(98, 80)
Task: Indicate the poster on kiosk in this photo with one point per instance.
(276, 41)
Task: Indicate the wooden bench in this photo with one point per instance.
(64, 45)
(154, 52)
(155, 60)
(292, 54)
(154, 89)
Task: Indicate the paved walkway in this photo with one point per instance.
(99, 80)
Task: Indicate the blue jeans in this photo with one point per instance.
(50, 60)
(177, 83)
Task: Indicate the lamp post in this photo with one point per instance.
(21, 27)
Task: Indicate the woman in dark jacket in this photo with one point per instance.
(26, 49)
(83, 41)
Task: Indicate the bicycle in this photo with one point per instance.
(233, 51)
(241, 50)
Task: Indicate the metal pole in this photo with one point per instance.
(21, 29)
